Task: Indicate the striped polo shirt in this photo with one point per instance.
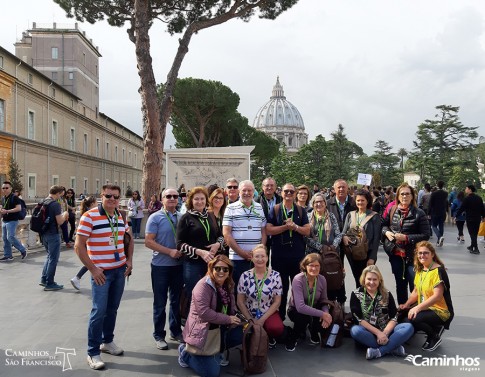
(246, 223)
(95, 225)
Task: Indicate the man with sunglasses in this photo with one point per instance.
(232, 190)
(99, 246)
(10, 210)
(166, 268)
(287, 227)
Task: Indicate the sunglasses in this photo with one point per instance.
(232, 187)
(289, 191)
(223, 269)
(170, 196)
(109, 196)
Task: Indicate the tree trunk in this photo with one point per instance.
(153, 130)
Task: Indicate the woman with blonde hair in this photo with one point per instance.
(375, 316)
(434, 310)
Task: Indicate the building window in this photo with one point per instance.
(30, 125)
(136, 162)
(71, 75)
(53, 92)
(84, 58)
(31, 179)
(96, 70)
(123, 156)
(107, 151)
(85, 144)
(1, 62)
(85, 186)
(73, 183)
(129, 157)
(97, 148)
(55, 53)
(97, 186)
(30, 79)
(55, 180)
(2, 114)
(54, 138)
(72, 103)
(116, 153)
(54, 75)
(72, 139)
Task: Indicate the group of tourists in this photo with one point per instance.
(230, 259)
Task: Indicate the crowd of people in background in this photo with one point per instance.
(222, 256)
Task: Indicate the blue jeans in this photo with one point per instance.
(208, 366)
(438, 224)
(52, 244)
(106, 300)
(9, 240)
(166, 280)
(193, 272)
(135, 225)
(401, 333)
(404, 275)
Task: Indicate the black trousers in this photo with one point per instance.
(473, 227)
(427, 321)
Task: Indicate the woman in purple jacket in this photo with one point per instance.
(213, 305)
(307, 303)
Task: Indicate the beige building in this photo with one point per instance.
(51, 123)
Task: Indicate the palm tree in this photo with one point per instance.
(402, 153)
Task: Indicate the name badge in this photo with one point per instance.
(373, 320)
(111, 241)
(258, 314)
(250, 227)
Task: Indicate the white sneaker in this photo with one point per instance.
(95, 362)
(441, 240)
(111, 348)
(76, 283)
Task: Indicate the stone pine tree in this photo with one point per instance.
(402, 153)
(439, 144)
(181, 16)
(385, 163)
(15, 175)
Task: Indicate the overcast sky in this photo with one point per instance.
(378, 67)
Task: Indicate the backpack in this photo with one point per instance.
(358, 245)
(39, 221)
(332, 336)
(332, 268)
(23, 210)
(254, 354)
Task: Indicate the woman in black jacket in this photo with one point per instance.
(404, 226)
(472, 205)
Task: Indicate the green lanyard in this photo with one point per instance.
(171, 223)
(114, 230)
(320, 226)
(308, 291)
(5, 202)
(224, 309)
(367, 309)
(359, 218)
(206, 226)
(259, 286)
(421, 281)
(286, 216)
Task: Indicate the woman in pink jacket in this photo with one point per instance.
(213, 306)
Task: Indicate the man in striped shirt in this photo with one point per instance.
(243, 228)
(99, 245)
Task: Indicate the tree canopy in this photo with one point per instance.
(180, 16)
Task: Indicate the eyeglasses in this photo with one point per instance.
(223, 269)
(218, 198)
(5, 188)
(109, 196)
(405, 193)
(319, 203)
(232, 187)
(170, 196)
(289, 191)
(423, 253)
(313, 265)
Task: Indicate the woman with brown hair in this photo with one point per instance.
(198, 238)
(434, 309)
(303, 197)
(212, 312)
(403, 227)
(307, 305)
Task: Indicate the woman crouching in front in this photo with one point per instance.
(375, 312)
(307, 306)
(211, 325)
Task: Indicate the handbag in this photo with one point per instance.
(132, 213)
(481, 231)
(211, 347)
(312, 246)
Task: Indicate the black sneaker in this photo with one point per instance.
(42, 283)
(432, 343)
(469, 248)
(290, 345)
(53, 287)
(272, 343)
(24, 254)
(315, 338)
(6, 259)
(475, 251)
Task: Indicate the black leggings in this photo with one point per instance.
(473, 227)
(72, 223)
(300, 323)
(459, 226)
(428, 321)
